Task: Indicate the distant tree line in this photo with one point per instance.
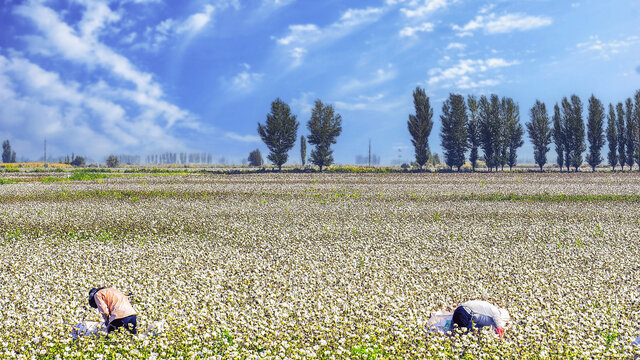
(74, 160)
(492, 124)
(364, 159)
(171, 158)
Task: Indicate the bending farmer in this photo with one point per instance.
(115, 308)
(476, 314)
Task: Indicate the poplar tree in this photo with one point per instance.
(540, 132)
(620, 131)
(420, 125)
(574, 144)
(612, 138)
(630, 136)
(558, 136)
(513, 131)
(255, 158)
(325, 125)
(473, 130)
(279, 132)
(566, 122)
(7, 154)
(595, 131)
(489, 111)
(578, 132)
(454, 130)
(303, 149)
(636, 114)
(503, 129)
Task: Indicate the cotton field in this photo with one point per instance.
(324, 265)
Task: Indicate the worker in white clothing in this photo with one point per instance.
(476, 314)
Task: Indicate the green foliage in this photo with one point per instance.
(255, 158)
(78, 161)
(112, 161)
(612, 138)
(8, 156)
(630, 135)
(513, 130)
(622, 139)
(473, 130)
(636, 132)
(303, 149)
(558, 135)
(454, 130)
(420, 125)
(540, 132)
(574, 134)
(324, 126)
(87, 175)
(595, 131)
(490, 129)
(279, 132)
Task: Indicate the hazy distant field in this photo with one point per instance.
(325, 265)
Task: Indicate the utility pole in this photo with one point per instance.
(369, 152)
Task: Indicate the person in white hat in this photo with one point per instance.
(476, 314)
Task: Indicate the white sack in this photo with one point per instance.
(88, 328)
(440, 321)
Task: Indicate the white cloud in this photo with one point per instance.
(409, 31)
(197, 21)
(420, 9)
(301, 34)
(302, 104)
(129, 102)
(455, 46)
(169, 28)
(607, 49)
(300, 37)
(245, 81)
(379, 77)
(460, 73)
(61, 38)
(242, 138)
(492, 24)
(276, 3)
(86, 118)
(297, 54)
(377, 102)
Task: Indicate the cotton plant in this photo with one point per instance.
(323, 265)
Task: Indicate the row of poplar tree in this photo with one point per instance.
(279, 133)
(492, 124)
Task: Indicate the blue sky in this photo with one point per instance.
(145, 76)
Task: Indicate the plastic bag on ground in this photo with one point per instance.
(440, 321)
(155, 328)
(88, 328)
(636, 342)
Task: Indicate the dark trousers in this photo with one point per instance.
(471, 320)
(130, 323)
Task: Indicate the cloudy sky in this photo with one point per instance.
(145, 76)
